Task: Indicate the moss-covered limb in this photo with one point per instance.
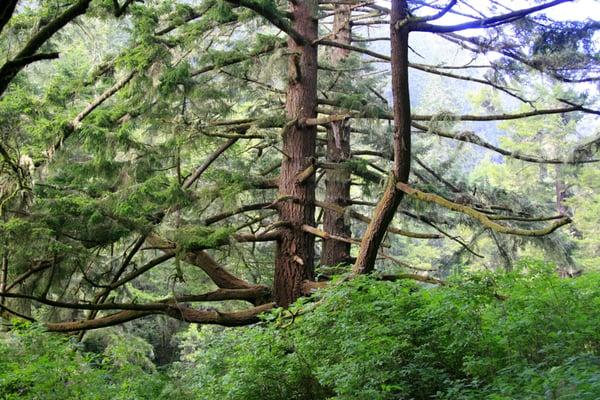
(496, 217)
(479, 216)
(470, 137)
(266, 183)
(177, 311)
(242, 125)
(269, 11)
(213, 317)
(191, 15)
(103, 322)
(270, 236)
(253, 295)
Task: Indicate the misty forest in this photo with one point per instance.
(300, 199)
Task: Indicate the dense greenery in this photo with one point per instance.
(303, 199)
(35, 365)
(523, 335)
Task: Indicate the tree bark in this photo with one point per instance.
(295, 248)
(388, 204)
(337, 180)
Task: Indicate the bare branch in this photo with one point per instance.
(484, 22)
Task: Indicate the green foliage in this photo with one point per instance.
(517, 336)
(179, 75)
(35, 365)
(221, 12)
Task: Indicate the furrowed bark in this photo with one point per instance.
(295, 249)
(337, 180)
(386, 208)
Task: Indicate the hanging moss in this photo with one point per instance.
(193, 238)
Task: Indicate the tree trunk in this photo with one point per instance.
(337, 180)
(387, 205)
(295, 248)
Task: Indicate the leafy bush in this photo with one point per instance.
(40, 366)
(517, 336)
(526, 335)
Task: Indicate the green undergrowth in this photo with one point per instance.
(524, 335)
(527, 335)
(36, 365)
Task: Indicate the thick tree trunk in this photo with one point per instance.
(337, 180)
(386, 208)
(295, 248)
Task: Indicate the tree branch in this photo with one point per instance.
(479, 216)
(470, 137)
(484, 22)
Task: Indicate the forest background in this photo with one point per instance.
(257, 199)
